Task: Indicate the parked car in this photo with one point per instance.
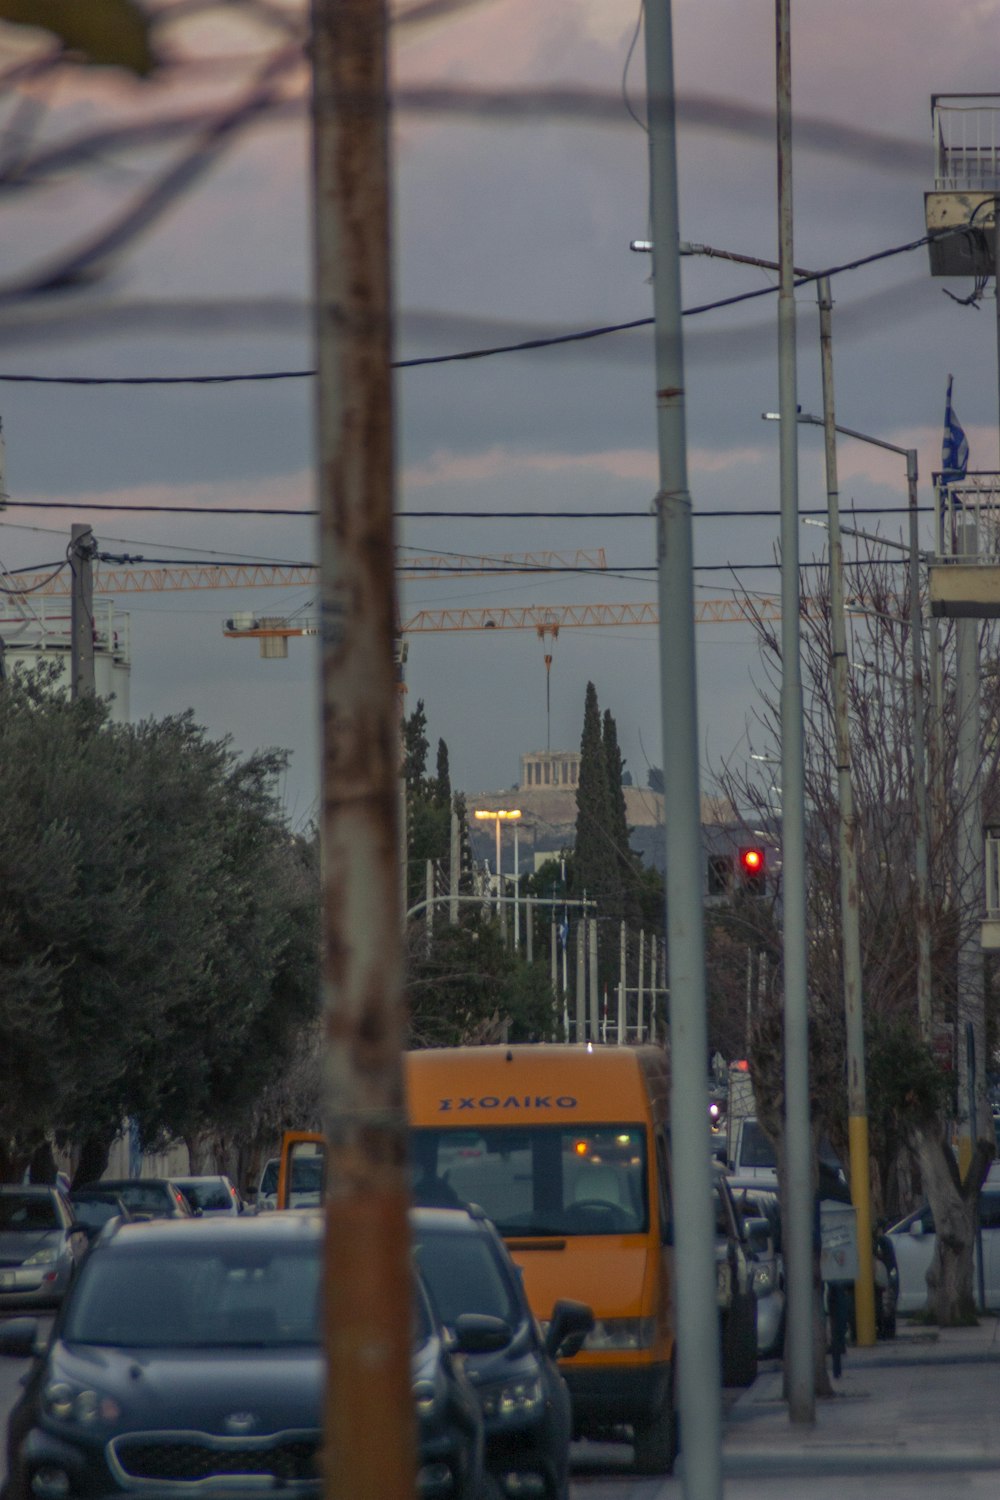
(41, 1246)
(147, 1197)
(95, 1207)
(913, 1239)
(734, 1277)
(757, 1206)
(187, 1357)
(526, 1403)
(210, 1195)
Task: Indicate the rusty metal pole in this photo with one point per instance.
(369, 1450)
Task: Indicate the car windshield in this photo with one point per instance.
(95, 1211)
(206, 1193)
(27, 1211)
(463, 1275)
(546, 1180)
(198, 1298)
(146, 1197)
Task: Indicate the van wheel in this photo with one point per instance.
(656, 1439)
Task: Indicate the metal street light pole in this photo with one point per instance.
(798, 1239)
(697, 1316)
(854, 1025)
(919, 731)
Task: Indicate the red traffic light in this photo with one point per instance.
(753, 870)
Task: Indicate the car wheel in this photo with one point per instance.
(885, 1320)
(739, 1343)
(655, 1440)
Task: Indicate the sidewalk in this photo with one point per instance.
(926, 1403)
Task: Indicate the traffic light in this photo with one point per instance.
(753, 871)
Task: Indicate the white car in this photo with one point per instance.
(913, 1242)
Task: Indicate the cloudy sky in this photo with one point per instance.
(506, 228)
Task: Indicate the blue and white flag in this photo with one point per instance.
(954, 445)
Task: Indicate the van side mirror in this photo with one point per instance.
(570, 1324)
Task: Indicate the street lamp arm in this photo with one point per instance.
(910, 454)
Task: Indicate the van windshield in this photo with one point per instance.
(755, 1148)
(544, 1180)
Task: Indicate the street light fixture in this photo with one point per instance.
(921, 837)
(501, 815)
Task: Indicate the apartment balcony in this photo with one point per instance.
(965, 569)
(966, 132)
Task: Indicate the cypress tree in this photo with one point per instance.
(442, 789)
(618, 827)
(596, 869)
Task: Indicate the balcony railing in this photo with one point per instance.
(974, 500)
(966, 142)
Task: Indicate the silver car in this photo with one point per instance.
(41, 1245)
(913, 1240)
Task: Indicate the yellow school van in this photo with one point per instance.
(565, 1148)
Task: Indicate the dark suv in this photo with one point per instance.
(187, 1360)
(526, 1404)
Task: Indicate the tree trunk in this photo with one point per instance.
(955, 1206)
(93, 1159)
(201, 1153)
(43, 1164)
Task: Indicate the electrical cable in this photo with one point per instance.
(440, 515)
(12, 572)
(523, 346)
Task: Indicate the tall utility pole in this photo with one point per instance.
(798, 1208)
(970, 859)
(694, 1304)
(369, 1449)
(850, 926)
(81, 614)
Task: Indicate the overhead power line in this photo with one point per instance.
(440, 515)
(522, 346)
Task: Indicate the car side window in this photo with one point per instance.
(989, 1210)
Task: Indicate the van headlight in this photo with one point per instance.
(621, 1333)
(511, 1398)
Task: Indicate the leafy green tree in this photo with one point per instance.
(157, 926)
(471, 988)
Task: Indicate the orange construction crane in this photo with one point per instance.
(545, 619)
(127, 578)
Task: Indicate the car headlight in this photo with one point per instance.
(764, 1278)
(621, 1333)
(43, 1257)
(512, 1398)
(73, 1403)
